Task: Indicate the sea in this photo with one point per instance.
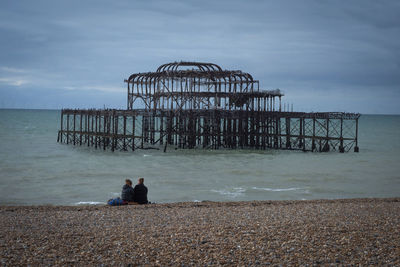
(36, 170)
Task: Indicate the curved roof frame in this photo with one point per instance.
(148, 81)
(199, 65)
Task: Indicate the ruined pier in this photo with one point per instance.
(199, 105)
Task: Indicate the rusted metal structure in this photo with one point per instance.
(200, 105)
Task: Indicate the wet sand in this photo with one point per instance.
(306, 233)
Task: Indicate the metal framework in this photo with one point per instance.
(199, 105)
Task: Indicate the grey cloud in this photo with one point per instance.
(293, 44)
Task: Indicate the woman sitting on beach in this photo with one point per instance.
(127, 191)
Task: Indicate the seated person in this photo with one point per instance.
(140, 192)
(127, 191)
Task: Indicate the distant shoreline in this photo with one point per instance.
(298, 232)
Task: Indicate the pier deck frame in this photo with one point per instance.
(211, 129)
(203, 106)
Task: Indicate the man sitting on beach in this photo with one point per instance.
(127, 191)
(140, 192)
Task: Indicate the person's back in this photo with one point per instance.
(140, 192)
(127, 191)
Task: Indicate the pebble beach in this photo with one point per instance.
(344, 232)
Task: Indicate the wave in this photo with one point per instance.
(277, 189)
(89, 203)
(235, 192)
(239, 191)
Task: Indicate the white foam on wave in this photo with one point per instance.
(235, 192)
(277, 189)
(89, 203)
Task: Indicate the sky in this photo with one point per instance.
(324, 55)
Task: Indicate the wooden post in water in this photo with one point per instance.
(61, 132)
(68, 128)
(341, 148)
(92, 129)
(356, 149)
(96, 130)
(124, 137)
(104, 131)
(288, 144)
(74, 132)
(313, 136)
(326, 145)
(80, 129)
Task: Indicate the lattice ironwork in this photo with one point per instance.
(200, 105)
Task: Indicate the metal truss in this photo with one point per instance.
(200, 105)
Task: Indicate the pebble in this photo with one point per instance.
(316, 232)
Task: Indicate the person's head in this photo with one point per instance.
(128, 182)
(141, 181)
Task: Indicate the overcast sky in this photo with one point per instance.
(324, 55)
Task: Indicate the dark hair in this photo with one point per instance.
(128, 181)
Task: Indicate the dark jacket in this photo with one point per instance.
(140, 194)
(127, 193)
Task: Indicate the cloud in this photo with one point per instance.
(68, 46)
(109, 89)
(13, 81)
(13, 76)
(12, 70)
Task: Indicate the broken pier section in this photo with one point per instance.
(199, 105)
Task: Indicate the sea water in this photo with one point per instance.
(36, 170)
